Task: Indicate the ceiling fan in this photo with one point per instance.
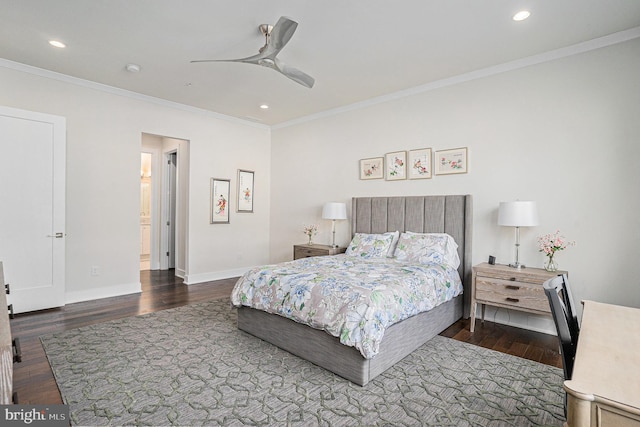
(276, 37)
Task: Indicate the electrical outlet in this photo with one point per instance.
(95, 270)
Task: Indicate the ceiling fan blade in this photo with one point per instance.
(282, 33)
(277, 39)
(294, 74)
(249, 60)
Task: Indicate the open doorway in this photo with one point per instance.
(145, 210)
(168, 201)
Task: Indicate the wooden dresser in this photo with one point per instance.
(508, 287)
(305, 251)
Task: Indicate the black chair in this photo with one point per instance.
(564, 316)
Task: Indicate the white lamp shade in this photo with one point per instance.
(333, 210)
(518, 214)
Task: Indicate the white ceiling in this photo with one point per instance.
(356, 50)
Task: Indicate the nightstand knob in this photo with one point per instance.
(513, 279)
(513, 288)
(513, 300)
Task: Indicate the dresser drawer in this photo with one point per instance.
(508, 292)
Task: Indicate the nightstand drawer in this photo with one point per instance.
(510, 275)
(508, 292)
(305, 252)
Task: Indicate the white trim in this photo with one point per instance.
(180, 273)
(527, 327)
(518, 319)
(551, 55)
(99, 293)
(192, 279)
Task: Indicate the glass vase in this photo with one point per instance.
(551, 264)
(310, 242)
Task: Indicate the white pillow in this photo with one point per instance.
(370, 245)
(394, 243)
(427, 248)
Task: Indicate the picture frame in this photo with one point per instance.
(451, 161)
(420, 164)
(245, 191)
(372, 168)
(396, 166)
(220, 200)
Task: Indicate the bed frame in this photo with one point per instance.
(428, 214)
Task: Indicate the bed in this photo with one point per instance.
(450, 214)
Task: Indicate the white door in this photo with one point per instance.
(32, 212)
(169, 233)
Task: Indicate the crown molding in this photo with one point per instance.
(552, 55)
(123, 92)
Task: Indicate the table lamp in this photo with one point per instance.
(334, 211)
(517, 214)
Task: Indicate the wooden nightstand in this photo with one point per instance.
(305, 251)
(507, 287)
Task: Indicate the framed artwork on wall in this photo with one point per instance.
(371, 168)
(245, 191)
(451, 161)
(220, 200)
(419, 163)
(396, 165)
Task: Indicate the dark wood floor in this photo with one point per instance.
(34, 382)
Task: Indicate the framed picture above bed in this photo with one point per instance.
(245, 191)
(419, 163)
(396, 166)
(451, 161)
(371, 168)
(220, 200)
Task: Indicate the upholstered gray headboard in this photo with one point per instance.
(421, 214)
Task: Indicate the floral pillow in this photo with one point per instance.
(428, 248)
(370, 245)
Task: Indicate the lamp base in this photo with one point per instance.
(517, 265)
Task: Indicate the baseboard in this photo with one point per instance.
(192, 279)
(179, 272)
(543, 330)
(99, 293)
(518, 319)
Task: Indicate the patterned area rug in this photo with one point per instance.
(190, 366)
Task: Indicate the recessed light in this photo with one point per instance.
(57, 43)
(522, 15)
(264, 106)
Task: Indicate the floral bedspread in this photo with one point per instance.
(351, 298)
